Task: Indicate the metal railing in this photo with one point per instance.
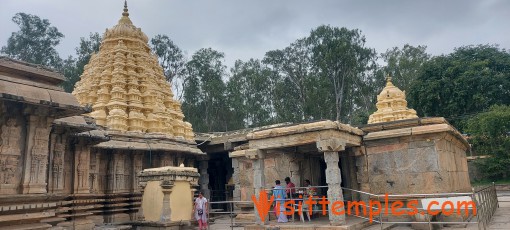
(484, 198)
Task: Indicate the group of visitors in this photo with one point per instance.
(282, 195)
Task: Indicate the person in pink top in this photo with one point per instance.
(290, 188)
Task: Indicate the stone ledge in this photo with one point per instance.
(303, 128)
(403, 124)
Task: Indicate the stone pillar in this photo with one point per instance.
(140, 215)
(81, 164)
(259, 179)
(137, 168)
(36, 156)
(237, 181)
(56, 164)
(166, 212)
(204, 178)
(176, 184)
(330, 148)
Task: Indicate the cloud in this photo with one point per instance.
(245, 29)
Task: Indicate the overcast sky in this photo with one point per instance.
(245, 29)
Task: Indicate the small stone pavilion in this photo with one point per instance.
(396, 153)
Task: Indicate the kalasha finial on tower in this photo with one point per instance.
(388, 78)
(125, 13)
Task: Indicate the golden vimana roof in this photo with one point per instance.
(391, 105)
(126, 88)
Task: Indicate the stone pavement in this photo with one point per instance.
(500, 220)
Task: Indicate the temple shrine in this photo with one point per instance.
(391, 105)
(84, 160)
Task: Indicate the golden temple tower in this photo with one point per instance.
(391, 105)
(125, 86)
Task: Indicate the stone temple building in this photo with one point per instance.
(396, 153)
(61, 169)
(71, 161)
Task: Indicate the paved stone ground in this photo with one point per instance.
(500, 220)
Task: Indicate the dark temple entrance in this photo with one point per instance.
(220, 172)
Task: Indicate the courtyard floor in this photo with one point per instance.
(500, 220)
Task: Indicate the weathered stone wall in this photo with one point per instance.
(427, 163)
(277, 166)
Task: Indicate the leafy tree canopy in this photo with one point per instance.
(465, 82)
(35, 42)
(403, 64)
(490, 135)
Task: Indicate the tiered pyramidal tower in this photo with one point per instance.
(391, 105)
(126, 88)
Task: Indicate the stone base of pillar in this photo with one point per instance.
(96, 219)
(81, 224)
(172, 225)
(34, 188)
(8, 189)
(116, 218)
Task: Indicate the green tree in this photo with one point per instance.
(340, 55)
(73, 68)
(204, 92)
(490, 135)
(403, 64)
(35, 42)
(467, 81)
(291, 69)
(249, 95)
(172, 59)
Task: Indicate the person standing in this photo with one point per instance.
(290, 188)
(200, 211)
(279, 197)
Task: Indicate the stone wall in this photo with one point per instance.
(297, 166)
(406, 164)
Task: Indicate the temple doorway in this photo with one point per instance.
(220, 173)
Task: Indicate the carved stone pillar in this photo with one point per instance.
(166, 212)
(330, 148)
(137, 168)
(204, 178)
(94, 171)
(81, 167)
(235, 177)
(36, 157)
(259, 179)
(57, 159)
(140, 215)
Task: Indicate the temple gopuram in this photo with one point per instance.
(85, 160)
(72, 162)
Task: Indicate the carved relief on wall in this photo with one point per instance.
(167, 160)
(127, 173)
(138, 167)
(39, 151)
(94, 172)
(10, 153)
(58, 166)
(119, 171)
(82, 167)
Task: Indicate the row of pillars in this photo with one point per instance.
(330, 149)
